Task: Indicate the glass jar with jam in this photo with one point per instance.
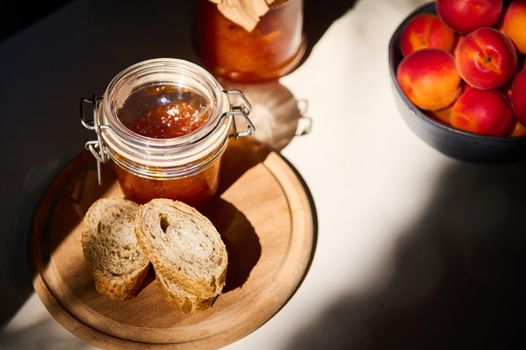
(271, 50)
(165, 124)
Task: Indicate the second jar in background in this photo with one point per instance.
(272, 49)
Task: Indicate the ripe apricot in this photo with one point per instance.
(486, 58)
(485, 112)
(426, 31)
(429, 78)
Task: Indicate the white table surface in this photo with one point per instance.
(415, 250)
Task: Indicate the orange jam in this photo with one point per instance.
(163, 112)
(272, 49)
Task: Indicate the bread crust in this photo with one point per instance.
(181, 299)
(120, 288)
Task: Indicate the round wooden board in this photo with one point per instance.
(266, 218)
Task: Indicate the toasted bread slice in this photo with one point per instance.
(111, 249)
(183, 246)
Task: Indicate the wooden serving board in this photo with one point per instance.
(267, 221)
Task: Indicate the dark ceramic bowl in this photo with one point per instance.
(447, 140)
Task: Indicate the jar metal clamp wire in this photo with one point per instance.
(96, 147)
(91, 121)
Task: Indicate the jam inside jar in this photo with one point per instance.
(164, 111)
(271, 50)
(165, 124)
(196, 190)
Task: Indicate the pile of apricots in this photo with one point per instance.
(465, 66)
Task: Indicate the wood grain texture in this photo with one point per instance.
(264, 215)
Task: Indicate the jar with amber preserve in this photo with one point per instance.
(231, 46)
(165, 124)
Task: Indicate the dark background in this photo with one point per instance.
(17, 15)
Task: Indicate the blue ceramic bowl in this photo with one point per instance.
(445, 139)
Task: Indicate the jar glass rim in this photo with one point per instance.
(170, 71)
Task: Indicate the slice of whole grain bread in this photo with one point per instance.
(111, 249)
(185, 249)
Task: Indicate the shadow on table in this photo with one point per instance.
(318, 17)
(276, 113)
(457, 277)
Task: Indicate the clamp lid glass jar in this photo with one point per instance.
(165, 124)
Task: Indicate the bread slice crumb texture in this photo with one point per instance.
(183, 245)
(111, 248)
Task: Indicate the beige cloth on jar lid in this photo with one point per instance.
(246, 13)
